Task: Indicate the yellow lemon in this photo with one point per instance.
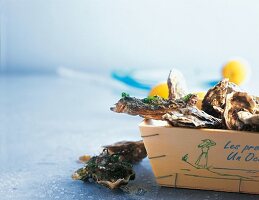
(236, 71)
(160, 89)
(201, 96)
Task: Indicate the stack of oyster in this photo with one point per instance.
(224, 106)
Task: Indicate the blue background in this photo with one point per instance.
(42, 35)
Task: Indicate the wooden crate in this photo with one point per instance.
(208, 159)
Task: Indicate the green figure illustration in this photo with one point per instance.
(202, 161)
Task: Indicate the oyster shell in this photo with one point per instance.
(192, 117)
(238, 111)
(148, 108)
(256, 99)
(129, 151)
(176, 85)
(214, 100)
(106, 169)
(248, 118)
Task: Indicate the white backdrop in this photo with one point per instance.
(40, 35)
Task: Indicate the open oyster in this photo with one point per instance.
(106, 169)
(239, 111)
(215, 99)
(192, 117)
(129, 151)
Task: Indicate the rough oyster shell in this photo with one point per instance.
(239, 107)
(106, 169)
(129, 151)
(214, 100)
(176, 85)
(148, 108)
(248, 118)
(192, 117)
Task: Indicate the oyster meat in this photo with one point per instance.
(132, 152)
(106, 169)
(214, 100)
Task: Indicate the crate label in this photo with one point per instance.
(206, 163)
(247, 153)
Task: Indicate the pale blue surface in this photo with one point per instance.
(47, 122)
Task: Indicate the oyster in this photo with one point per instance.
(238, 111)
(131, 152)
(192, 117)
(106, 169)
(149, 108)
(155, 107)
(248, 118)
(176, 85)
(214, 100)
(256, 99)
